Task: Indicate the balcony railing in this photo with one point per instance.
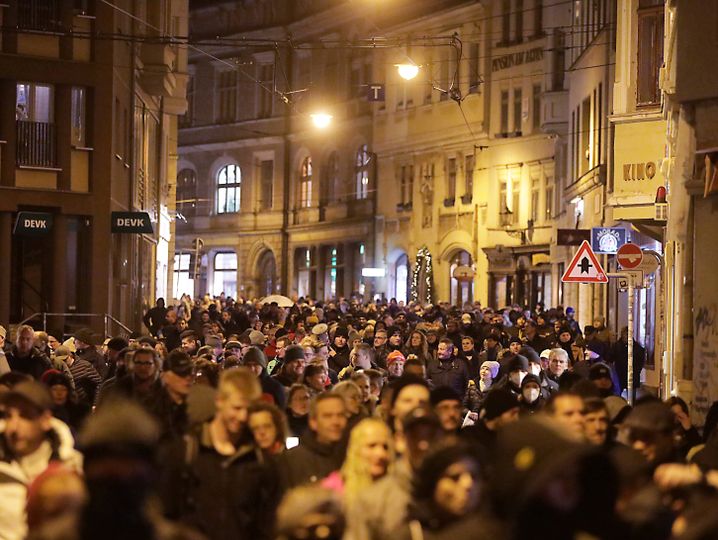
(35, 144)
(39, 14)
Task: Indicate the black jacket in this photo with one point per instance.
(224, 497)
(451, 373)
(309, 462)
(340, 360)
(273, 388)
(34, 364)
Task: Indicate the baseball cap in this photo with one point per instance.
(30, 393)
(257, 338)
(179, 363)
(599, 370)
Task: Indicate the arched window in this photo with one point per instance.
(361, 172)
(186, 192)
(461, 286)
(229, 189)
(305, 183)
(267, 269)
(330, 187)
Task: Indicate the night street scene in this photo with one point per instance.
(358, 269)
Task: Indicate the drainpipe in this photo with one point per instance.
(285, 277)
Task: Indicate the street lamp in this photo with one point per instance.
(408, 70)
(321, 120)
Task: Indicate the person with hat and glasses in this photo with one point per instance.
(24, 357)
(30, 440)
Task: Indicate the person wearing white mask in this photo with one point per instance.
(531, 399)
(518, 368)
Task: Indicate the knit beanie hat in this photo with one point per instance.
(498, 402)
(493, 367)
(254, 355)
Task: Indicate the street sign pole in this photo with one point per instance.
(629, 277)
(629, 384)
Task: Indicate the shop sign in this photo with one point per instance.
(639, 149)
(464, 273)
(33, 224)
(572, 237)
(376, 92)
(516, 59)
(131, 223)
(607, 239)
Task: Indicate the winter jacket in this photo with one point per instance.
(34, 364)
(450, 372)
(309, 462)
(340, 359)
(224, 497)
(16, 475)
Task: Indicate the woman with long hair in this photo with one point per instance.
(370, 456)
(269, 427)
(418, 346)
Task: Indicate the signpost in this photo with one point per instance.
(584, 267)
(629, 256)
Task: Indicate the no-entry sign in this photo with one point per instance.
(629, 256)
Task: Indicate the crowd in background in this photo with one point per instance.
(231, 419)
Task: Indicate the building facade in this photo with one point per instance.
(88, 127)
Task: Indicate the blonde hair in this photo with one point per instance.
(239, 380)
(354, 471)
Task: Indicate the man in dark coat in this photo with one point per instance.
(447, 369)
(215, 479)
(170, 404)
(26, 358)
(321, 450)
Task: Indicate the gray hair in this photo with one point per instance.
(561, 353)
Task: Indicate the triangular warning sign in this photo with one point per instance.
(584, 267)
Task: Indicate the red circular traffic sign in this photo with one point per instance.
(629, 256)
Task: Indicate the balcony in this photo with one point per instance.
(35, 144)
(42, 15)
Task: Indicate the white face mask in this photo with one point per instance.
(531, 394)
(516, 377)
(534, 368)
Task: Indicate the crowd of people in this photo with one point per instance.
(239, 420)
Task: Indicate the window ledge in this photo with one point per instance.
(38, 168)
(83, 148)
(3, 142)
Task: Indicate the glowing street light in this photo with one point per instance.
(407, 71)
(321, 120)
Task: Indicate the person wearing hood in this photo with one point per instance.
(339, 349)
(272, 390)
(531, 399)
